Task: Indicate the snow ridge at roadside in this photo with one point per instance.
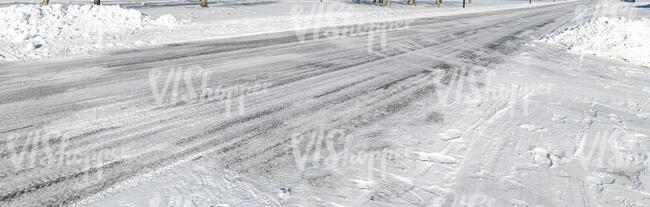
(619, 33)
(34, 31)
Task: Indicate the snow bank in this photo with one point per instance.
(613, 37)
(33, 31)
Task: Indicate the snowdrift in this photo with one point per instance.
(33, 31)
(613, 37)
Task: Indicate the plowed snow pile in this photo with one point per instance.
(612, 37)
(33, 31)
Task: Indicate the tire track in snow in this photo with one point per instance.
(121, 170)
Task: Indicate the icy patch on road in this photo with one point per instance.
(34, 31)
(614, 37)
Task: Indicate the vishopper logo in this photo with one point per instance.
(612, 151)
(323, 22)
(177, 197)
(201, 184)
(307, 148)
(475, 199)
(53, 150)
(179, 86)
(605, 8)
(463, 86)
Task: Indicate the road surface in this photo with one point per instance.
(81, 129)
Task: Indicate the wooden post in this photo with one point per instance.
(96, 2)
(204, 3)
(45, 2)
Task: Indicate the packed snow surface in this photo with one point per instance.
(614, 37)
(30, 31)
(454, 112)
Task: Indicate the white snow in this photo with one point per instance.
(33, 31)
(608, 35)
(563, 132)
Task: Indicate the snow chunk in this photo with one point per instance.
(165, 20)
(450, 134)
(542, 157)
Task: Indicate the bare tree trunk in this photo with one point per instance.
(374, 2)
(438, 2)
(387, 3)
(204, 3)
(470, 1)
(96, 2)
(45, 2)
(381, 1)
(358, 1)
(408, 2)
(414, 4)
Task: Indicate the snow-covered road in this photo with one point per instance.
(466, 108)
